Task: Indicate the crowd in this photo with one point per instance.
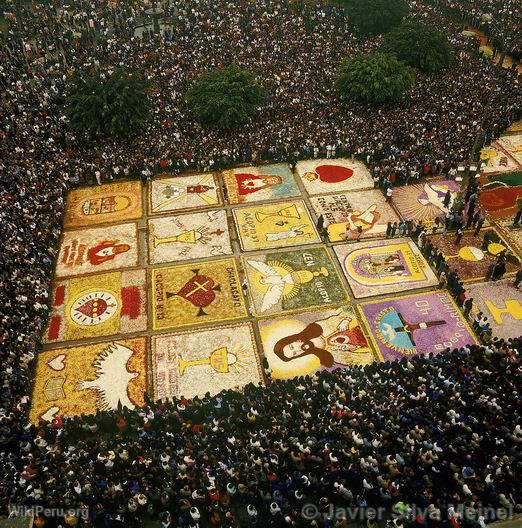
(503, 28)
(128, 473)
(430, 438)
(282, 43)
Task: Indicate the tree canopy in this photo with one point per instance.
(374, 78)
(113, 106)
(225, 97)
(372, 17)
(420, 46)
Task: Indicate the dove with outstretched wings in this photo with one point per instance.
(112, 378)
(274, 280)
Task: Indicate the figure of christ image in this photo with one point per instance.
(105, 251)
(252, 183)
(331, 340)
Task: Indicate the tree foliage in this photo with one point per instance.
(225, 97)
(420, 46)
(374, 78)
(372, 17)
(113, 106)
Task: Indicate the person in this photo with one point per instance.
(320, 224)
(499, 270)
(389, 194)
(468, 305)
(458, 236)
(479, 224)
(447, 199)
(490, 271)
(517, 218)
(518, 278)
(442, 280)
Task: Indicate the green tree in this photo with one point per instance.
(374, 78)
(372, 17)
(113, 106)
(225, 97)
(420, 46)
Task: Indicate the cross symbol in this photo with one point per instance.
(198, 287)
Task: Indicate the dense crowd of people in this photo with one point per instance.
(434, 439)
(499, 19)
(130, 474)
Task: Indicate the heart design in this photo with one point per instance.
(57, 363)
(50, 413)
(199, 290)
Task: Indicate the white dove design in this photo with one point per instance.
(274, 280)
(435, 196)
(112, 378)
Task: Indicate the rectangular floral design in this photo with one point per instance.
(209, 360)
(113, 202)
(188, 236)
(426, 323)
(183, 193)
(199, 293)
(289, 281)
(275, 225)
(254, 184)
(384, 266)
(89, 378)
(301, 344)
(98, 305)
(358, 213)
(98, 249)
(321, 176)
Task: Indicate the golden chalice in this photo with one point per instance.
(220, 360)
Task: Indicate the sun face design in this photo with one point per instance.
(94, 308)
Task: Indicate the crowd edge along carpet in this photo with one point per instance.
(301, 344)
(98, 305)
(345, 213)
(113, 202)
(97, 249)
(423, 202)
(471, 258)
(188, 236)
(210, 360)
(416, 324)
(296, 280)
(501, 194)
(501, 303)
(88, 378)
(253, 184)
(183, 193)
(384, 266)
(322, 176)
(197, 293)
(275, 225)
(516, 127)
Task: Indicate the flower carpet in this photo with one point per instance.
(185, 291)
